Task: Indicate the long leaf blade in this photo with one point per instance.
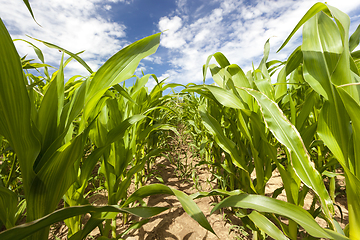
(21, 231)
(271, 205)
(287, 134)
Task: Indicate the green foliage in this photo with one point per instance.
(65, 139)
(308, 117)
(48, 124)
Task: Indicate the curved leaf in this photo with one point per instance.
(266, 225)
(118, 68)
(271, 205)
(287, 134)
(186, 201)
(30, 10)
(21, 231)
(15, 107)
(317, 7)
(75, 56)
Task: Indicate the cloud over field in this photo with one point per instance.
(239, 29)
(192, 30)
(74, 25)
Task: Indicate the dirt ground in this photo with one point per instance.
(176, 224)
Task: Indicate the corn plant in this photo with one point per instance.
(37, 135)
(47, 124)
(53, 134)
(325, 72)
(123, 159)
(331, 71)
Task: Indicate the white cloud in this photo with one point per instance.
(202, 35)
(181, 6)
(154, 59)
(171, 37)
(73, 25)
(107, 7)
(122, 1)
(170, 24)
(236, 29)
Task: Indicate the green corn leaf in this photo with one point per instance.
(354, 39)
(317, 7)
(238, 76)
(225, 143)
(15, 107)
(354, 64)
(266, 225)
(75, 106)
(294, 60)
(334, 130)
(281, 88)
(89, 165)
(352, 166)
(262, 79)
(121, 191)
(321, 54)
(117, 132)
(75, 56)
(186, 201)
(307, 107)
(30, 10)
(215, 192)
(36, 49)
(21, 231)
(156, 127)
(271, 205)
(49, 113)
(239, 79)
(8, 207)
(29, 65)
(90, 225)
(287, 134)
(140, 83)
(114, 135)
(218, 74)
(124, 93)
(205, 67)
(353, 107)
(225, 97)
(221, 59)
(56, 174)
(118, 68)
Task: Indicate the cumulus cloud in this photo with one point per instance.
(238, 29)
(171, 24)
(171, 38)
(122, 1)
(192, 31)
(73, 25)
(154, 59)
(107, 7)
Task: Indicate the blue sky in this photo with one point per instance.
(195, 29)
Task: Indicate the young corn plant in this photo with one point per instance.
(324, 63)
(37, 129)
(331, 71)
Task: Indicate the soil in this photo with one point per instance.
(175, 223)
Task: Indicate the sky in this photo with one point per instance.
(194, 30)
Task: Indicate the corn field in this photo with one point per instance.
(62, 140)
